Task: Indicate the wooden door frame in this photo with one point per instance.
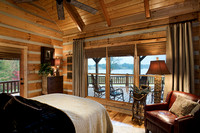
(25, 51)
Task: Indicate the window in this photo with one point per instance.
(120, 79)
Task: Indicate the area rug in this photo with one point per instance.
(125, 128)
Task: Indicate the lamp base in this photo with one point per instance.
(157, 89)
(57, 72)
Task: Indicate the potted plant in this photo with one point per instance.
(45, 70)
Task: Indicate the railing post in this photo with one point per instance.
(127, 81)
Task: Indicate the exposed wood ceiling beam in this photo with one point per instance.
(74, 15)
(146, 7)
(105, 12)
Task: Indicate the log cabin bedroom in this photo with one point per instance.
(99, 66)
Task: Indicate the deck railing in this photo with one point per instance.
(9, 86)
(126, 80)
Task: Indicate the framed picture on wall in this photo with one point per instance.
(47, 55)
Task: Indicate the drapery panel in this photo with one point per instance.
(78, 68)
(179, 58)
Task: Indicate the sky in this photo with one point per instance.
(129, 59)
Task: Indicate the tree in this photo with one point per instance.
(114, 63)
(9, 70)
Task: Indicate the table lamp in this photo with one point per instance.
(158, 68)
(57, 64)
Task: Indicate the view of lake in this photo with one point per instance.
(118, 71)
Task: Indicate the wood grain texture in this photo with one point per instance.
(123, 118)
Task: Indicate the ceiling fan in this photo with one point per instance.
(60, 9)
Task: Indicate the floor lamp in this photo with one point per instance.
(158, 68)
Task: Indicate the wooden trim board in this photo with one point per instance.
(25, 51)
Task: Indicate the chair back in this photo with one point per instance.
(144, 80)
(94, 82)
(171, 97)
(111, 86)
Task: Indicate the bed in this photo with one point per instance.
(87, 115)
(53, 113)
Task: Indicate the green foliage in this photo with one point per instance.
(7, 68)
(45, 69)
(141, 91)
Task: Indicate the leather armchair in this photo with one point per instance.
(158, 118)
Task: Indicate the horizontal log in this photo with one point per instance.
(27, 26)
(22, 14)
(144, 36)
(127, 43)
(34, 93)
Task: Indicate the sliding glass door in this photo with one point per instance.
(114, 71)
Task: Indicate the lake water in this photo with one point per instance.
(118, 71)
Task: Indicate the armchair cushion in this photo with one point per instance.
(164, 117)
(182, 106)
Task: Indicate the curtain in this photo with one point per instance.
(78, 68)
(179, 58)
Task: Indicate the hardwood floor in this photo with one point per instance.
(124, 118)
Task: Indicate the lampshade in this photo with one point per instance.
(57, 62)
(158, 67)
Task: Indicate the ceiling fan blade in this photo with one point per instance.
(83, 6)
(23, 1)
(60, 10)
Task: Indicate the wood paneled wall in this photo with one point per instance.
(196, 41)
(30, 25)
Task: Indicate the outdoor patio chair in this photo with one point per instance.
(116, 92)
(144, 80)
(98, 91)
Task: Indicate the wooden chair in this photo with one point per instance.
(98, 91)
(116, 93)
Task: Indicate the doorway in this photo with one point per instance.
(12, 51)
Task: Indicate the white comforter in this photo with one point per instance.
(87, 116)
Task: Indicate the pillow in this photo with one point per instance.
(182, 106)
(196, 109)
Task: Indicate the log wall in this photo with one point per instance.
(30, 25)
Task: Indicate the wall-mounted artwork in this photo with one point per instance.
(47, 55)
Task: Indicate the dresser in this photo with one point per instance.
(54, 85)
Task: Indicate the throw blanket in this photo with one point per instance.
(20, 115)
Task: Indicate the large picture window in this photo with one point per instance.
(111, 71)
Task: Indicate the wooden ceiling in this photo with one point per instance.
(77, 20)
(107, 11)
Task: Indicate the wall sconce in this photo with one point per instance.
(57, 64)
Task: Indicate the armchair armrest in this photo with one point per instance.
(157, 106)
(180, 119)
(184, 124)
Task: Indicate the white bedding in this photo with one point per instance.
(87, 115)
